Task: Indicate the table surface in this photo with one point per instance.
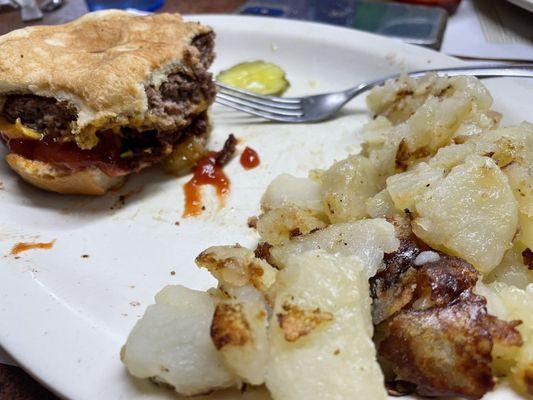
(72, 9)
(15, 384)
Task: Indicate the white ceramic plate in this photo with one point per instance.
(64, 317)
(527, 4)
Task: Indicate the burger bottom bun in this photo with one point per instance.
(90, 181)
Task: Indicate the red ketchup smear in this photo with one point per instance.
(105, 155)
(206, 172)
(249, 158)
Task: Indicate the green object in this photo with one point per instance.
(256, 76)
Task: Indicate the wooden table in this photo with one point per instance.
(15, 384)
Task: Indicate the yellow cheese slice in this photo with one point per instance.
(18, 130)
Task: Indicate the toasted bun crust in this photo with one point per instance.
(101, 62)
(90, 181)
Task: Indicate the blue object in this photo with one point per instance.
(143, 5)
(415, 24)
(264, 11)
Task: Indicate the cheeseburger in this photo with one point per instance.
(85, 104)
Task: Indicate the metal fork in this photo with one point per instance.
(323, 106)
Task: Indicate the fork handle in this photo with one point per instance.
(480, 71)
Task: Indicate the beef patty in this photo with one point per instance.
(44, 114)
(179, 97)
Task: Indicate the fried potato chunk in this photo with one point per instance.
(366, 239)
(471, 213)
(321, 331)
(347, 185)
(433, 331)
(239, 332)
(445, 351)
(516, 268)
(521, 181)
(171, 344)
(381, 206)
(237, 266)
(511, 148)
(399, 99)
(287, 190)
(291, 207)
(404, 188)
(279, 225)
(509, 302)
(426, 114)
(240, 321)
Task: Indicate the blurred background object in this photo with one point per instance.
(51, 5)
(413, 24)
(449, 5)
(143, 5)
(29, 10)
(6, 4)
(46, 6)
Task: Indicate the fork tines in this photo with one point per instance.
(272, 107)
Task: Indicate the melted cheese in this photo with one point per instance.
(18, 130)
(86, 139)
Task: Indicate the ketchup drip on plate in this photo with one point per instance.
(21, 246)
(249, 158)
(206, 172)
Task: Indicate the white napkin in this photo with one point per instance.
(495, 30)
